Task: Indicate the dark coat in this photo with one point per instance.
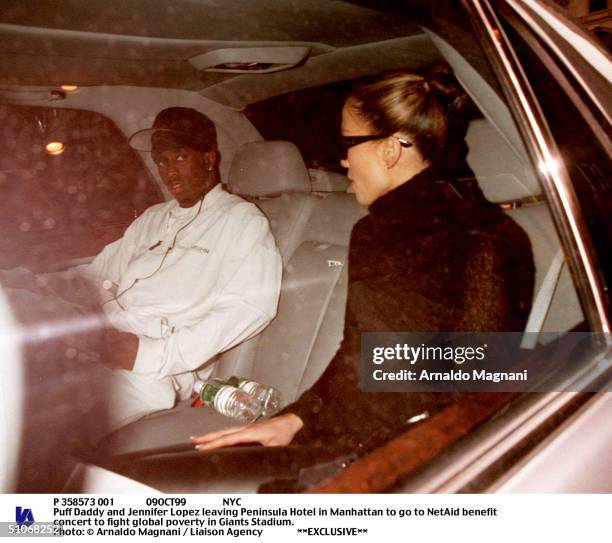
(432, 256)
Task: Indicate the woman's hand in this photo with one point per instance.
(274, 432)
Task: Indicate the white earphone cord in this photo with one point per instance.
(138, 279)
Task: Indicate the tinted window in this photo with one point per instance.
(578, 139)
(309, 118)
(56, 208)
(597, 5)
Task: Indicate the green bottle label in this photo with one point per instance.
(233, 381)
(209, 391)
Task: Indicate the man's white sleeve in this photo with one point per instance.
(114, 259)
(109, 265)
(245, 306)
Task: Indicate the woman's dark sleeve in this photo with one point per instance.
(496, 293)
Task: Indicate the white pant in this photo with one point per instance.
(130, 396)
(67, 305)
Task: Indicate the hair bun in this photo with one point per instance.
(445, 88)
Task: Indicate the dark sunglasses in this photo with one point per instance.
(346, 142)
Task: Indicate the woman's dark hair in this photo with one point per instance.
(430, 107)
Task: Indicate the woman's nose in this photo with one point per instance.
(344, 163)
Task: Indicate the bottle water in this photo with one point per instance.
(269, 397)
(228, 400)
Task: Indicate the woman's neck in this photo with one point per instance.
(403, 173)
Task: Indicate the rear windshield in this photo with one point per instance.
(67, 201)
(309, 118)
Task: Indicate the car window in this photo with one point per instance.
(65, 202)
(62, 205)
(309, 118)
(580, 133)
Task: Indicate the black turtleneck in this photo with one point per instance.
(431, 256)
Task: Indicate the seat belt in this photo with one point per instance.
(542, 302)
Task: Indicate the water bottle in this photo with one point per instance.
(228, 400)
(269, 397)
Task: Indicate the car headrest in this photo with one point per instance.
(268, 168)
(325, 181)
(502, 174)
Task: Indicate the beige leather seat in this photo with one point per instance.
(312, 233)
(505, 176)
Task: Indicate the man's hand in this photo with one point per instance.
(274, 432)
(121, 349)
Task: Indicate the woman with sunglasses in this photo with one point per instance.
(433, 255)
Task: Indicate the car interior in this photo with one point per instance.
(222, 66)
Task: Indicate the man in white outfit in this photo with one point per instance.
(190, 278)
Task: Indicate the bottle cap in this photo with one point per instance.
(197, 387)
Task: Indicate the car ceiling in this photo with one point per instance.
(136, 43)
(244, 20)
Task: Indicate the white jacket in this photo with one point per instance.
(192, 297)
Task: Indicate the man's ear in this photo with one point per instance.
(211, 159)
